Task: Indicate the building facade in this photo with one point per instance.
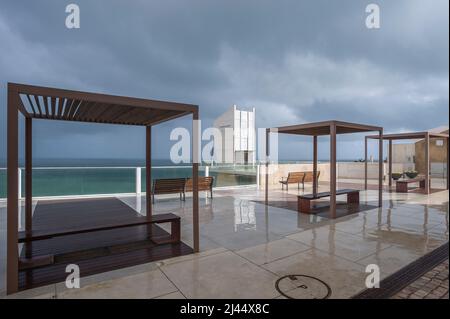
(238, 144)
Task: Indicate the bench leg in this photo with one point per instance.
(175, 231)
(153, 198)
(304, 205)
(353, 198)
(422, 184)
(401, 187)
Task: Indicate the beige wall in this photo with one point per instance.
(277, 171)
(438, 154)
(403, 153)
(350, 170)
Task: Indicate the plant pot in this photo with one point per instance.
(411, 174)
(396, 176)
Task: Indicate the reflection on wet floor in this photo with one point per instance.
(246, 246)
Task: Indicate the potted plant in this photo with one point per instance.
(396, 176)
(411, 173)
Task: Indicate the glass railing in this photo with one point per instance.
(64, 181)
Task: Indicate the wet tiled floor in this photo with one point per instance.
(246, 246)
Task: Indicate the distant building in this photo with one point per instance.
(239, 139)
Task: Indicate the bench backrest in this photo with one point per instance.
(205, 183)
(168, 185)
(295, 177)
(309, 177)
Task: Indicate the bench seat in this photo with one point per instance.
(401, 186)
(304, 201)
(135, 221)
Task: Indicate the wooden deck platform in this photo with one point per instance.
(93, 252)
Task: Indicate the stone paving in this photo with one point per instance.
(432, 285)
(247, 246)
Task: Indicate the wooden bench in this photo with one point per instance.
(292, 178)
(401, 186)
(168, 186)
(297, 178)
(205, 183)
(38, 261)
(304, 201)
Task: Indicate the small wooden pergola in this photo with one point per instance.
(427, 136)
(35, 102)
(331, 128)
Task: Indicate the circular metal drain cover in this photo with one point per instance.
(302, 287)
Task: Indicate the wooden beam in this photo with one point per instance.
(365, 163)
(427, 163)
(47, 109)
(333, 175)
(148, 171)
(31, 104)
(28, 174)
(267, 168)
(380, 168)
(195, 161)
(12, 255)
(61, 103)
(315, 165)
(448, 163)
(390, 164)
(38, 104)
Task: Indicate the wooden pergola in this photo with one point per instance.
(427, 136)
(35, 102)
(331, 128)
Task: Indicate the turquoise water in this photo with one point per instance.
(86, 181)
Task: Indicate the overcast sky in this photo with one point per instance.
(294, 61)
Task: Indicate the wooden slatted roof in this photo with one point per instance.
(409, 136)
(323, 128)
(59, 104)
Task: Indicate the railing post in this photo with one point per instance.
(138, 181)
(206, 171)
(257, 176)
(19, 182)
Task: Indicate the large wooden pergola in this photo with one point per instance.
(331, 128)
(35, 102)
(427, 136)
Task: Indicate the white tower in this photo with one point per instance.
(240, 146)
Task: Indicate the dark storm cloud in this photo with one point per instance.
(294, 61)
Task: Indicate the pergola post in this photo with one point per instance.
(365, 163)
(380, 168)
(427, 163)
(148, 171)
(28, 175)
(12, 254)
(195, 161)
(390, 164)
(333, 176)
(267, 168)
(448, 162)
(315, 165)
